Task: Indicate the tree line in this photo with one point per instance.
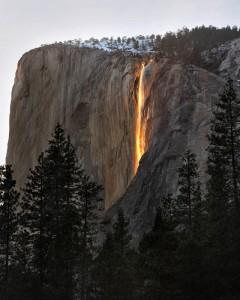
(48, 234)
(186, 45)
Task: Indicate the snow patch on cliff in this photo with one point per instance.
(133, 45)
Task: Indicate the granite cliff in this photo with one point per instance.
(94, 95)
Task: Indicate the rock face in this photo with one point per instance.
(225, 59)
(230, 65)
(179, 108)
(93, 94)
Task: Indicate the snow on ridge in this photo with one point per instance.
(134, 45)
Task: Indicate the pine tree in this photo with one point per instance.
(59, 215)
(223, 192)
(157, 268)
(34, 237)
(190, 266)
(191, 242)
(63, 206)
(24, 283)
(104, 268)
(125, 258)
(90, 206)
(58, 209)
(225, 140)
(189, 197)
(115, 264)
(8, 224)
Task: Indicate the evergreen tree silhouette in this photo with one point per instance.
(58, 201)
(189, 197)
(9, 198)
(223, 195)
(157, 265)
(115, 264)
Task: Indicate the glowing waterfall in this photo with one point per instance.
(140, 133)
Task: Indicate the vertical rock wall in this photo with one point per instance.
(178, 107)
(93, 95)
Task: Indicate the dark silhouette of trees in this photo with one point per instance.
(8, 224)
(189, 198)
(157, 261)
(90, 212)
(188, 45)
(115, 264)
(49, 242)
(58, 221)
(223, 193)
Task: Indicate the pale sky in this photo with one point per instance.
(26, 24)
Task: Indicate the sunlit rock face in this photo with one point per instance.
(178, 108)
(93, 95)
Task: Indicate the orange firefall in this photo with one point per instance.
(139, 135)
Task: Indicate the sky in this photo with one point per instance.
(26, 24)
